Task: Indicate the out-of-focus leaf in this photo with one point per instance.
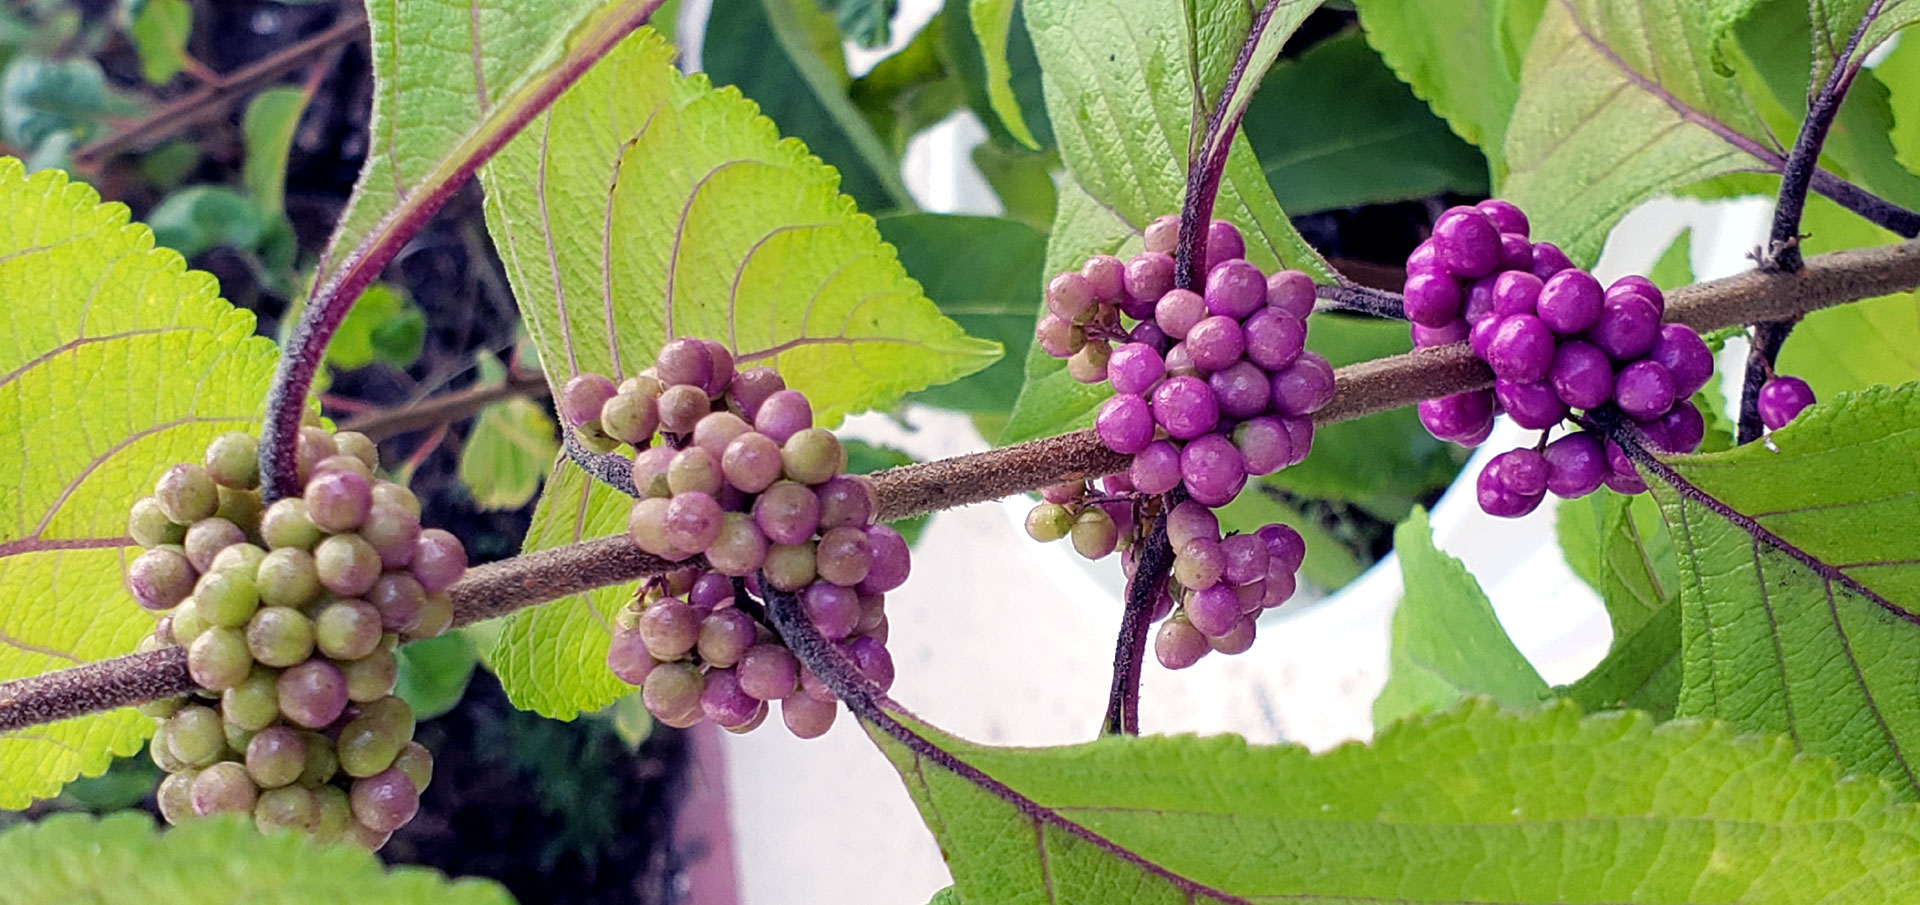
(984, 273)
(1334, 128)
(434, 673)
(509, 451)
(867, 23)
(268, 127)
(382, 326)
(200, 217)
(41, 97)
(159, 36)
(911, 90)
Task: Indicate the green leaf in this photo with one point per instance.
(383, 325)
(200, 217)
(1851, 347)
(1450, 52)
(1370, 141)
(1120, 97)
(984, 273)
(159, 36)
(1474, 805)
(452, 80)
(70, 858)
(1447, 642)
(1674, 269)
(434, 673)
(1024, 181)
(41, 98)
(911, 90)
(966, 53)
(120, 362)
(786, 56)
(1641, 672)
(715, 227)
(1799, 587)
(1620, 546)
(993, 22)
(552, 659)
(268, 127)
(1900, 72)
(867, 23)
(512, 444)
(945, 896)
(1617, 104)
(1051, 401)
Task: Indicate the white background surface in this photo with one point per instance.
(1009, 642)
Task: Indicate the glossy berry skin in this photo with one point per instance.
(1576, 464)
(1582, 374)
(1466, 242)
(1644, 390)
(1685, 356)
(1515, 292)
(1235, 289)
(1782, 399)
(1134, 368)
(1185, 407)
(1433, 299)
(1629, 324)
(1125, 424)
(1505, 215)
(1274, 338)
(1458, 417)
(1521, 349)
(1534, 406)
(1570, 302)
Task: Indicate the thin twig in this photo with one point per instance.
(1762, 352)
(1783, 246)
(211, 98)
(1203, 172)
(1153, 563)
(446, 409)
(496, 589)
(1350, 296)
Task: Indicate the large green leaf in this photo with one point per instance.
(70, 858)
(786, 56)
(1370, 140)
(511, 447)
(1619, 102)
(1474, 805)
(1900, 72)
(1800, 588)
(453, 80)
(1620, 546)
(119, 363)
(1120, 77)
(1457, 56)
(644, 205)
(159, 34)
(1447, 643)
(985, 273)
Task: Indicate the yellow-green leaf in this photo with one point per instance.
(510, 449)
(120, 362)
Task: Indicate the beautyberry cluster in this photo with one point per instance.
(1782, 399)
(1210, 388)
(1557, 343)
(729, 467)
(290, 616)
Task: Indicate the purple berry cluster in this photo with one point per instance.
(1782, 399)
(1557, 343)
(290, 616)
(728, 466)
(1210, 388)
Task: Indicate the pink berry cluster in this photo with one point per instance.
(290, 616)
(1210, 388)
(1557, 343)
(728, 467)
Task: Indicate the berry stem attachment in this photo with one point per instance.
(1783, 246)
(1130, 649)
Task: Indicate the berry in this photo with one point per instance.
(1644, 390)
(1432, 298)
(1628, 326)
(1685, 356)
(1570, 302)
(1521, 349)
(1782, 399)
(1576, 464)
(1466, 242)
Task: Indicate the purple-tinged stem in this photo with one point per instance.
(1203, 174)
(1149, 581)
(1363, 300)
(300, 359)
(1783, 248)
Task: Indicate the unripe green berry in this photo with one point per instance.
(226, 598)
(280, 636)
(186, 494)
(233, 460)
(1049, 522)
(149, 526)
(813, 456)
(286, 524)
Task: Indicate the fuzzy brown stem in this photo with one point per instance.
(499, 588)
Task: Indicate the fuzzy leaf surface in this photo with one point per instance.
(1446, 808)
(97, 312)
(1799, 584)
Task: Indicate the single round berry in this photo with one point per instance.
(1134, 368)
(1505, 215)
(1628, 327)
(1148, 276)
(160, 578)
(1458, 417)
(1782, 399)
(1185, 407)
(1069, 295)
(1058, 336)
(1178, 311)
(1304, 387)
(582, 397)
(1576, 464)
(1224, 242)
(1644, 390)
(1521, 349)
(1215, 342)
(1570, 302)
(186, 494)
(1291, 291)
(1548, 260)
(1264, 443)
(1433, 299)
(1496, 500)
(233, 460)
(1534, 406)
(1213, 470)
(1684, 428)
(1467, 242)
(1235, 289)
(1582, 374)
(1125, 424)
(1685, 356)
(1178, 645)
(1516, 292)
(1156, 469)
